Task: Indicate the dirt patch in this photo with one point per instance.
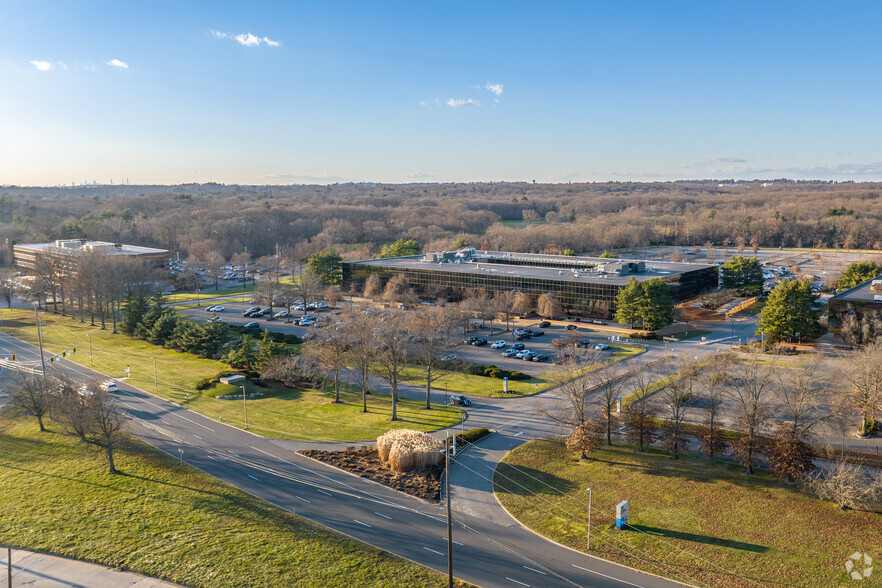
(365, 462)
(691, 314)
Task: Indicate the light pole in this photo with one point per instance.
(589, 519)
(732, 322)
(89, 335)
(40, 340)
(245, 404)
(449, 519)
(155, 381)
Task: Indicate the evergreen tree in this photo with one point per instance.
(858, 273)
(744, 274)
(627, 302)
(269, 350)
(327, 266)
(136, 307)
(163, 328)
(242, 356)
(789, 312)
(400, 248)
(655, 306)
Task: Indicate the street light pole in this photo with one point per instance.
(245, 404)
(155, 382)
(589, 519)
(89, 335)
(449, 520)
(40, 340)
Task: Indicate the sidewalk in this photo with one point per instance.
(40, 570)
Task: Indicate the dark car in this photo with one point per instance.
(479, 342)
(571, 327)
(460, 400)
(251, 325)
(250, 311)
(544, 324)
(537, 333)
(266, 311)
(583, 343)
(517, 346)
(470, 340)
(523, 336)
(540, 357)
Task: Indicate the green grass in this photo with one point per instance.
(294, 414)
(752, 310)
(459, 383)
(687, 335)
(703, 525)
(164, 520)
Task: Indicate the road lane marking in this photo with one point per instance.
(516, 582)
(234, 453)
(532, 570)
(432, 550)
(360, 523)
(253, 477)
(605, 576)
(382, 515)
(323, 492)
(303, 499)
(197, 436)
(211, 458)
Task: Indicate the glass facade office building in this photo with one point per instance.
(585, 286)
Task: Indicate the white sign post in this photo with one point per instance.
(505, 385)
(618, 404)
(621, 514)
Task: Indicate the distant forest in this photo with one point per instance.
(357, 219)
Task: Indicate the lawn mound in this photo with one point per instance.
(365, 462)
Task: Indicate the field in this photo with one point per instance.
(287, 414)
(703, 525)
(164, 520)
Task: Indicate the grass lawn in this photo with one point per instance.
(752, 310)
(707, 526)
(687, 335)
(292, 414)
(177, 523)
(459, 383)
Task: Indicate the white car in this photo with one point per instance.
(281, 314)
(215, 319)
(304, 323)
(109, 386)
(497, 345)
(217, 308)
(520, 354)
(449, 357)
(601, 347)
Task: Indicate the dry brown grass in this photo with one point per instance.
(404, 450)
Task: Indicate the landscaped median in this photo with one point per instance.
(285, 413)
(461, 383)
(700, 524)
(169, 521)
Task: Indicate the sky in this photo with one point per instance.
(167, 92)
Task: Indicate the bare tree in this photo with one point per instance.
(585, 438)
(8, 287)
(607, 383)
(523, 304)
(391, 354)
(33, 394)
(714, 384)
(572, 406)
(329, 354)
(640, 414)
(373, 286)
(861, 393)
(398, 290)
(749, 389)
(431, 328)
(548, 305)
(358, 328)
(94, 416)
(677, 397)
(849, 486)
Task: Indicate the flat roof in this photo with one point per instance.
(860, 293)
(121, 250)
(654, 269)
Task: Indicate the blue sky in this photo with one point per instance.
(323, 92)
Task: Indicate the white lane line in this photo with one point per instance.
(432, 550)
(379, 514)
(192, 421)
(532, 570)
(234, 453)
(303, 499)
(516, 582)
(211, 458)
(197, 436)
(605, 576)
(360, 523)
(323, 492)
(253, 478)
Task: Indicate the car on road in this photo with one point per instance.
(583, 343)
(281, 314)
(517, 346)
(544, 324)
(479, 342)
(529, 355)
(306, 323)
(214, 319)
(217, 308)
(599, 322)
(523, 336)
(252, 325)
(571, 327)
(251, 310)
(460, 400)
(109, 386)
(601, 347)
(497, 345)
(520, 354)
(540, 357)
(537, 333)
(469, 340)
(449, 357)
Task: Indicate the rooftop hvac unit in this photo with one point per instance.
(877, 297)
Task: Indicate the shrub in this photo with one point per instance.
(472, 435)
(203, 384)
(403, 450)
(492, 371)
(644, 336)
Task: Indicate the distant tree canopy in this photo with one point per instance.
(789, 312)
(608, 255)
(649, 302)
(858, 273)
(743, 274)
(401, 248)
(326, 265)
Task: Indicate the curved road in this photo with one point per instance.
(488, 552)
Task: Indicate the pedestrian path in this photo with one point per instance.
(41, 570)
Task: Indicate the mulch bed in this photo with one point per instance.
(365, 462)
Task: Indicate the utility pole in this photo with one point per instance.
(155, 383)
(449, 521)
(9, 565)
(245, 404)
(40, 340)
(589, 519)
(89, 335)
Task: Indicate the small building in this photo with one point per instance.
(585, 286)
(863, 299)
(29, 256)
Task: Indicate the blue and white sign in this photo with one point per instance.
(505, 384)
(621, 514)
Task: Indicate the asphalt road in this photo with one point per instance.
(486, 553)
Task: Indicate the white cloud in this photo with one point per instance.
(118, 63)
(497, 89)
(457, 102)
(62, 65)
(41, 65)
(246, 39)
